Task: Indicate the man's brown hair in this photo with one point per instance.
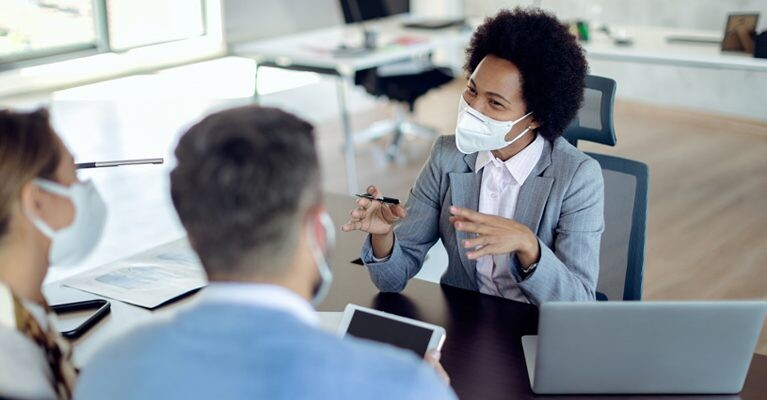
(243, 179)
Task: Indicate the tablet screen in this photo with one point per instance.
(381, 329)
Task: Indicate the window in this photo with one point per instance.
(134, 23)
(31, 29)
(37, 29)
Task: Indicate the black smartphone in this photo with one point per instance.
(74, 319)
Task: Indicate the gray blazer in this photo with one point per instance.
(561, 201)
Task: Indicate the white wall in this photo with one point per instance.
(250, 20)
(437, 8)
(689, 14)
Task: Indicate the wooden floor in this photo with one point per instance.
(707, 228)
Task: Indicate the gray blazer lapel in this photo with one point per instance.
(464, 187)
(535, 192)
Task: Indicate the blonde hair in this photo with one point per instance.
(29, 148)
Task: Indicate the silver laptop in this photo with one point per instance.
(643, 347)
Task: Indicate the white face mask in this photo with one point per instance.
(322, 257)
(71, 244)
(476, 132)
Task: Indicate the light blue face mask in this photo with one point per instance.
(71, 244)
(322, 257)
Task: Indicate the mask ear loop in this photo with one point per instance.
(330, 231)
(529, 127)
(518, 136)
(50, 187)
(521, 118)
(326, 275)
(53, 187)
(39, 224)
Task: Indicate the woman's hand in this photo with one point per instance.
(373, 216)
(378, 219)
(495, 235)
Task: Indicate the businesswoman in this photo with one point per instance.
(519, 210)
(47, 217)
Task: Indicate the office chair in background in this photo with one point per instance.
(622, 249)
(403, 82)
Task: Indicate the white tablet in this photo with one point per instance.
(380, 326)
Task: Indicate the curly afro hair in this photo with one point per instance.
(549, 58)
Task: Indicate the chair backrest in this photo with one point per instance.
(621, 256)
(594, 121)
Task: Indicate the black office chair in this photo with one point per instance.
(404, 84)
(622, 250)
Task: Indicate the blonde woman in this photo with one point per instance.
(47, 216)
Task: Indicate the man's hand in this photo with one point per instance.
(432, 358)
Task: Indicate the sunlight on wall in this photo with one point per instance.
(228, 77)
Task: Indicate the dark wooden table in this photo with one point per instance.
(483, 353)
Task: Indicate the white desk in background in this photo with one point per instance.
(686, 74)
(659, 45)
(312, 51)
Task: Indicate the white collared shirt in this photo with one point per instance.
(261, 295)
(499, 192)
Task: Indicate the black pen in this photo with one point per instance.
(382, 199)
(101, 164)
